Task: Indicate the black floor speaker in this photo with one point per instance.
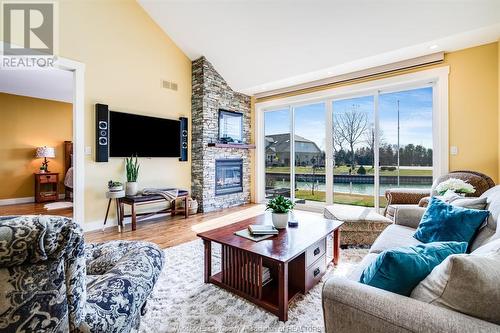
(184, 139)
(102, 133)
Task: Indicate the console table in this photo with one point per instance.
(140, 200)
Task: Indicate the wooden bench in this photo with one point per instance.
(141, 200)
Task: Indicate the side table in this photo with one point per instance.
(46, 186)
(117, 195)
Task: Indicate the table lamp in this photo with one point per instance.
(45, 152)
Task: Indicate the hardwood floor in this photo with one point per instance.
(33, 209)
(168, 231)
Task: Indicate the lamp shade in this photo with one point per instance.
(45, 152)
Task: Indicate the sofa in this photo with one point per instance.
(350, 306)
(51, 281)
(404, 197)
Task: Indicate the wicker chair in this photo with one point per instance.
(403, 196)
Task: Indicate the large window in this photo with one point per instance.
(405, 139)
(277, 146)
(309, 152)
(349, 148)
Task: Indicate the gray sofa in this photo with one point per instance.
(350, 306)
(51, 281)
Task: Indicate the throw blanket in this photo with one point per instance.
(169, 195)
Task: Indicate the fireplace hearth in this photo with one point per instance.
(228, 176)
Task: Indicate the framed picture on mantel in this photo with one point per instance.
(230, 126)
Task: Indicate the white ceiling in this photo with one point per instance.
(263, 45)
(54, 84)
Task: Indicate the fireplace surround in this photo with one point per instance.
(210, 94)
(228, 176)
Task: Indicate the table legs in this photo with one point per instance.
(119, 213)
(336, 246)
(283, 291)
(208, 260)
(134, 217)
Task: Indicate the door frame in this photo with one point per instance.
(78, 70)
(437, 77)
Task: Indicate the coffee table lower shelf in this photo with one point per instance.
(269, 299)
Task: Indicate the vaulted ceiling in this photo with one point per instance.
(264, 45)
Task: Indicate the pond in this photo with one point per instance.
(364, 189)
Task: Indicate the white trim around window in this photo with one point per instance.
(436, 77)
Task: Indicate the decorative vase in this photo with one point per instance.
(280, 220)
(131, 188)
(193, 206)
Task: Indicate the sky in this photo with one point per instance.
(415, 117)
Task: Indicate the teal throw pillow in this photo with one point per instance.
(401, 269)
(443, 222)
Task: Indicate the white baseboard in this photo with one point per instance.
(97, 225)
(15, 201)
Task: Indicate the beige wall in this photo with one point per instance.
(126, 55)
(27, 123)
(473, 107)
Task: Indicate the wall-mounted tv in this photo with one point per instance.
(131, 134)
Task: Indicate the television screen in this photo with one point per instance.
(131, 134)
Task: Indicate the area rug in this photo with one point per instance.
(181, 302)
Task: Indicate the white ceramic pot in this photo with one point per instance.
(116, 188)
(131, 188)
(280, 220)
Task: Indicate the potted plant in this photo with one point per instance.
(132, 167)
(115, 186)
(280, 206)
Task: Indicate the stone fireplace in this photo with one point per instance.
(220, 173)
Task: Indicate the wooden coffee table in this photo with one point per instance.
(296, 258)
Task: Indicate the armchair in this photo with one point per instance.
(51, 281)
(399, 197)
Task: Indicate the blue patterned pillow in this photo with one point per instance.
(443, 222)
(401, 269)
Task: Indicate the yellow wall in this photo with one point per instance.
(473, 107)
(27, 123)
(126, 55)
(473, 103)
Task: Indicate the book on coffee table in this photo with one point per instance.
(245, 233)
(262, 229)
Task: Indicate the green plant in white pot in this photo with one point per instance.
(280, 207)
(132, 166)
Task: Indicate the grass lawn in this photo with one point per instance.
(344, 170)
(340, 198)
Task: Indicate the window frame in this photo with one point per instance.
(436, 77)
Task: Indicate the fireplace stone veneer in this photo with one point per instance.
(209, 94)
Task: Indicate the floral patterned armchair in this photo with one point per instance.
(50, 281)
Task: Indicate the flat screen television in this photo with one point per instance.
(131, 134)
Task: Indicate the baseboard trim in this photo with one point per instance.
(98, 225)
(15, 201)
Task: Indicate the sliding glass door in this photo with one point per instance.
(405, 139)
(353, 151)
(350, 150)
(277, 144)
(309, 152)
